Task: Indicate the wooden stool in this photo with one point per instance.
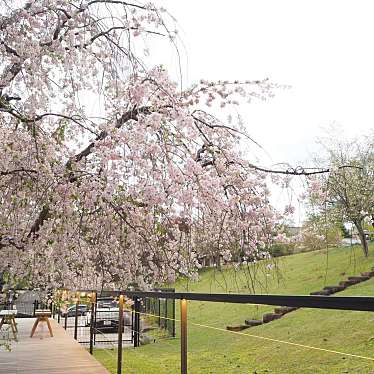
(42, 315)
(8, 318)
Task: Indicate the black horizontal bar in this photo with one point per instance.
(358, 303)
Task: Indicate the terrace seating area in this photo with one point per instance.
(44, 354)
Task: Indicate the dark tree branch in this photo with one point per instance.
(15, 171)
(299, 170)
(116, 2)
(43, 215)
(10, 72)
(7, 241)
(130, 115)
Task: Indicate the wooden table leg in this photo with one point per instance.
(12, 323)
(15, 324)
(34, 327)
(49, 327)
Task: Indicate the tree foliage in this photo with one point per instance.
(110, 174)
(347, 192)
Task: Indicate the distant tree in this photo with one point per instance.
(347, 191)
(344, 230)
(323, 230)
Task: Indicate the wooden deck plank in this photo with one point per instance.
(43, 354)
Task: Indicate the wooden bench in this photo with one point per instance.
(42, 315)
(8, 317)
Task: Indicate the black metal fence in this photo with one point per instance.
(161, 309)
(98, 322)
(356, 303)
(107, 320)
(160, 305)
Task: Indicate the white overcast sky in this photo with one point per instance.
(323, 49)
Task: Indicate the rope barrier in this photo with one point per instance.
(157, 316)
(284, 342)
(254, 336)
(267, 339)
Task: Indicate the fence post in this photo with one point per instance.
(173, 321)
(120, 328)
(159, 312)
(95, 319)
(76, 320)
(183, 305)
(137, 322)
(92, 321)
(132, 323)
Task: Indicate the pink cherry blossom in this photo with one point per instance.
(135, 186)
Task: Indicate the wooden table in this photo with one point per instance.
(8, 317)
(42, 315)
(58, 355)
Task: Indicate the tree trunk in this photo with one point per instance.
(362, 236)
(218, 261)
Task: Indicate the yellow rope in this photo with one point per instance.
(284, 342)
(154, 315)
(266, 338)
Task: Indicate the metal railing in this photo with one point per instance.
(145, 303)
(100, 321)
(355, 303)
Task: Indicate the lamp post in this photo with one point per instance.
(77, 298)
(183, 306)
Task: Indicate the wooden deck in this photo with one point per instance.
(43, 354)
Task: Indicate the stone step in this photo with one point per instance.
(321, 293)
(358, 279)
(284, 310)
(368, 274)
(334, 289)
(253, 322)
(237, 327)
(347, 283)
(268, 317)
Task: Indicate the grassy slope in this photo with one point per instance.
(212, 351)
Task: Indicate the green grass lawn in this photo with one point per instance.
(214, 351)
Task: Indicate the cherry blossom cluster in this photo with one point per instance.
(109, 175)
